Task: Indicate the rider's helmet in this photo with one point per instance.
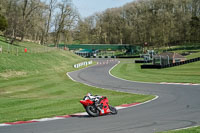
(89, 94)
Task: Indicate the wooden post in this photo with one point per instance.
(1, 50)
(160, 60)
(168, 59)
(8, 49)
(17, 51)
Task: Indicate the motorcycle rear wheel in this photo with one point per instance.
(92, 111)
(113, 110)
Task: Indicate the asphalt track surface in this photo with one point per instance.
(178, 106)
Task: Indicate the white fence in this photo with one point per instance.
(82, 64)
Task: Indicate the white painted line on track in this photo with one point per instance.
(3, 125)
(70, 77)
(48, 119)
(118, 108)
(84, 113)
(185, 128)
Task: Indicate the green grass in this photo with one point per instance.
(193, 55)
(190, 130)
(188, 73)
(35, 85)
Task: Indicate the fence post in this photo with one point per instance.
(1, 50)
(160, 60)
(17, 51)
(168, 59)
(8, 49)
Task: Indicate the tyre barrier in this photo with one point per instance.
(82, 64)
(143, 61)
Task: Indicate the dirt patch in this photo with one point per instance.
(12, 74)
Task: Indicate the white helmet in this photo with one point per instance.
(89, 94)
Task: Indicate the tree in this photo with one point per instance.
(13, 16)
(158, 22)
(51, 8)
(3, 23)
(195, 28)
(28, 9)
(64, 19)
(22, 16)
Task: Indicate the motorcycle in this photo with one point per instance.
(102, 108)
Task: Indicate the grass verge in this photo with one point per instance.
(188, 73)
(35, 85)
(190, 130)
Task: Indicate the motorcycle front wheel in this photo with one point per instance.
(92, 111)
(113, 110)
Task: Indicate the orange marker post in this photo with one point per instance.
(25, 50)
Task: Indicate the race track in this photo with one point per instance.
(178, 106)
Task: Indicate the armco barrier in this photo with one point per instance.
(82, 64)
(170, 65)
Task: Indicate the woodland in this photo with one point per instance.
(143, 22)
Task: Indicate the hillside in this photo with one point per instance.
(38, 58)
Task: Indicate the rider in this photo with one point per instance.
(95, 98)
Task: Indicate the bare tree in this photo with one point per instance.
(51, 8)
(28, 8)
(65, 19)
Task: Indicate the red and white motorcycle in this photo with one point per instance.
(95, 110)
